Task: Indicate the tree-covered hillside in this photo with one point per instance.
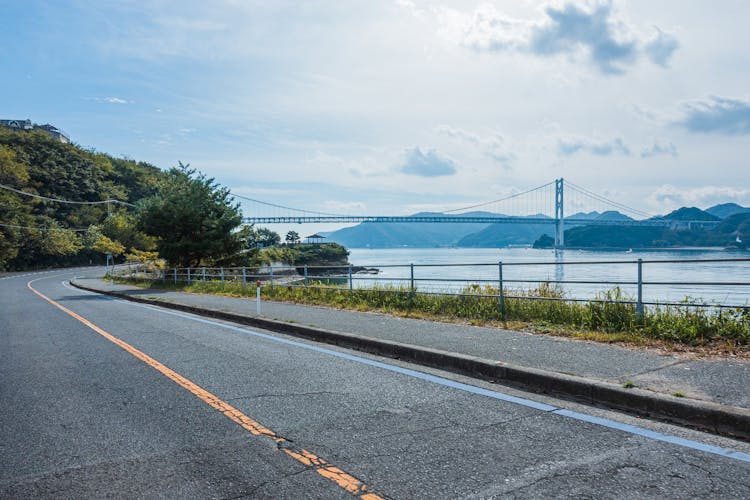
(53, 212)
(35, 232)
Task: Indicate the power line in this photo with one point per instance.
(43, 228)
(8, 188)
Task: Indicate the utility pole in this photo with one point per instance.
(109, 255)
(559, 215)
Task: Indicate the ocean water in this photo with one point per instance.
(451, 269)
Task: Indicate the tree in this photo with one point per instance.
(292, 237)
(267, 238)
(14, 213)
(121, 227)
(98, 242)
(192, 217)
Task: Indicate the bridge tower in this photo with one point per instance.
(559, 215)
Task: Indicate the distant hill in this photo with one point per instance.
(34, 162)
(583, 216)
(409, 234)
(725, 210)
(471, 235)
(458, 234)
(611, 237)
(502, 235)
(612, 215)
(732, 232)
(689, 213)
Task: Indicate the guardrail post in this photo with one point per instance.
(204, 275)
(501, 296)
(221, 272)
(350, 278)
(164, 276)
(244, 278)
(175, 276)
(639, 303)
(270, 270)
(305, 274)
(411, 280)
(188, 276)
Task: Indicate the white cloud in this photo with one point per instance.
(661, 48)
(493, 146)
(718, 115)
(427, 164)
(660, 147)
(670, 197)
(345, 207)
(569, 147)
(594, 31)
(111, 100)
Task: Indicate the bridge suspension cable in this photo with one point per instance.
(513, 196)
(540, 205)
(607, 202)
(299, 210)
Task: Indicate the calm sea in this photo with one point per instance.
(459, 267)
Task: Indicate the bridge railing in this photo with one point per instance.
(570, 281)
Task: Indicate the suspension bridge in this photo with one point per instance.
(545, 204)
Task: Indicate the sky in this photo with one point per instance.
(392, 107)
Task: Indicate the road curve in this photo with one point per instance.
(100, 397)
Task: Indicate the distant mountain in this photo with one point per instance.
(409, 234)
(689, 213)
(725, 210)
(732, 232)
(502, 235)
(459, 234)
(611, 237)
(613, 215)
(583, 216)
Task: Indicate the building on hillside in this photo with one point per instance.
(50, 130)
(17, 124)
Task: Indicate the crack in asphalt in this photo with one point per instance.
(275, 480)
(287, 394)
(656, 369)
(552, 470)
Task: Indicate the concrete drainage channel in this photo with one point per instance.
(706, 416)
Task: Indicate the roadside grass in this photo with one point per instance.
(610, 318)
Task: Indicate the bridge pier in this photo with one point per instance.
(559, 214)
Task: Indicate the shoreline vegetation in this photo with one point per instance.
(610, 318)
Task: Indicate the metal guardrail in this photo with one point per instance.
(354, 277)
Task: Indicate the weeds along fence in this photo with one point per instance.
(496, 291)
(509, 280)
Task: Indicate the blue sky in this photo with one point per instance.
(397, 106)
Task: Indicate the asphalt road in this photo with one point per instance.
(141, 402)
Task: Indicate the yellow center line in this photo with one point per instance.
(325, 469)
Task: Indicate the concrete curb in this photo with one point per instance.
(706, 416)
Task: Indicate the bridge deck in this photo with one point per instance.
(475, 220)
